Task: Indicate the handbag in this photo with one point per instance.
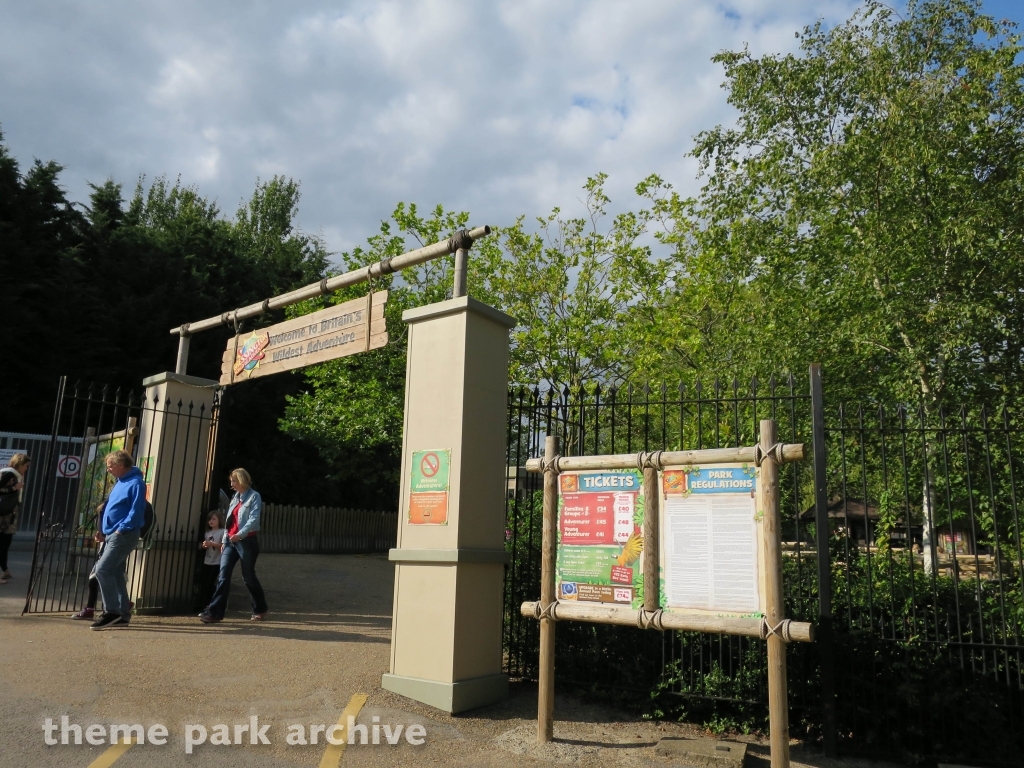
(9, 501)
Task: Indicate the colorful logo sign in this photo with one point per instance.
(250, 353)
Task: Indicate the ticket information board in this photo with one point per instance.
(600, 520)
(711, 541)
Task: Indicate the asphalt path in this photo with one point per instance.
(317, 659)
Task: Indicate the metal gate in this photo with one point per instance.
(99, 419)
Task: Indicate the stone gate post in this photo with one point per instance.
(449, 563)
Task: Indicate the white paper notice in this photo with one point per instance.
(710, 538)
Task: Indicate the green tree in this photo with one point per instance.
(585, 296)
(865, 210)
(352, 408)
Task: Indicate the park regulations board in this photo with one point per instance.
(339, 330)
(711, 541)
(600, 540)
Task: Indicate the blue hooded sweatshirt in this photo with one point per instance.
(126, 505)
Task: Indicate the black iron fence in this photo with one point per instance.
(162, 571)
(908, 519)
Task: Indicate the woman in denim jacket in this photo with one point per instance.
(240, 544)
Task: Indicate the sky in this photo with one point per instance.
(499, 108)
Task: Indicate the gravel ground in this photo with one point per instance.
(326, 639)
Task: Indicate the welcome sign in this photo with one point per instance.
(344, 329)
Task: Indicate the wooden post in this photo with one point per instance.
(652, 505)
(181, 366)
(461, 268)
(549, 542)
(130, 433)
(768, 505)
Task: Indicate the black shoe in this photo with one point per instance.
(207, 618)
(109, 621)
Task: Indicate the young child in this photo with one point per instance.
(213, 542)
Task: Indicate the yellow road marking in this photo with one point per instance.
(109, 757)
(333, 753)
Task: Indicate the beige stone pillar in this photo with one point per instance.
(174, 447)
(446, 627)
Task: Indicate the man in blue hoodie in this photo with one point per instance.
(121, 526)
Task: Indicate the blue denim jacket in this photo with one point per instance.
(249, 514)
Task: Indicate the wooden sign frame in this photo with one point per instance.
(336, 331)
(768, 456)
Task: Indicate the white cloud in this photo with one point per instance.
(499, 108)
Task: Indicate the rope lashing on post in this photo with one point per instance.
(649, 460)
(780, 630)
(551, 466)
(775, 452)
(548, 612)
(460, 239)
(649, 619)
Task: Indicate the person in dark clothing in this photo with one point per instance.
(12, 481)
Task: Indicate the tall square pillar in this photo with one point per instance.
(173, 451)
(449, 563)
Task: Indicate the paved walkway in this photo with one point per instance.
(320, 654)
